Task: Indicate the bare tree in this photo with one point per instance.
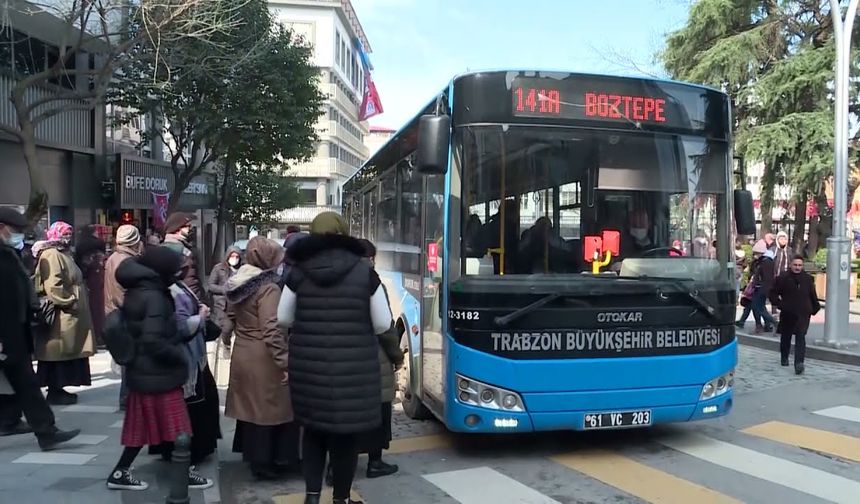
(108, 33)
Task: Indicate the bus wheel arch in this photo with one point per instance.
(412, 405)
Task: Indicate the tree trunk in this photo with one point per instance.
(767, 182)
(37, 206)
(222, 217)
(799, 224)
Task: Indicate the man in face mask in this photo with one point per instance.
(16, 336)
(179, 237)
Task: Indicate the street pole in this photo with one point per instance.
(838, 245)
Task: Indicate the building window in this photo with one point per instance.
(307, 196)
(337, 47)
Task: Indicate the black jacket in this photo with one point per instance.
(335, 380)
(795, 296)
(16, 310)
(159, 363)
(763, 270)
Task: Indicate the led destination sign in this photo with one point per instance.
(628, 101)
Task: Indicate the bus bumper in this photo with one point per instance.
(561, 409)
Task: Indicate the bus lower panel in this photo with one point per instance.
(492, 421)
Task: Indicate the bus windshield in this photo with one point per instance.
(530, 194)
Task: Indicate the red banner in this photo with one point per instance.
(159, 209)
(371, 105)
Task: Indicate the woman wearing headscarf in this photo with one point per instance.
(257, 396)
(90, 255)
(334, 307)
(156, 412)
(218, 277)
(390, 359)
(63, 350)
(758, 288)
(199, 390)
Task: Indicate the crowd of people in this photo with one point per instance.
(776, 274)
(307, 323)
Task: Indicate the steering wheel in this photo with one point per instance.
(652, 251)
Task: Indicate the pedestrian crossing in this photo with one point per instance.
(786, 460)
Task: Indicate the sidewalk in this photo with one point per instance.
(848, 353)
(75, 472)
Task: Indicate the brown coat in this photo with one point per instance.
(114, 293)
(256, 393)
(59, 279)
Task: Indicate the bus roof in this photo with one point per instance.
(397, 136)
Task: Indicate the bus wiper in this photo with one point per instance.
(681, 284)
(504, 320)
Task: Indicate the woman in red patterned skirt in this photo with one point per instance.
(155, 408)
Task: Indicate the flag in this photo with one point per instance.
(370, 104)
(159, 209)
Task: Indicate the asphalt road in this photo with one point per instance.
(789, 440)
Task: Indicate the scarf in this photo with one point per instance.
(195, 349)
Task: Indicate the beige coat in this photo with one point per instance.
(59, 279)
(256, 393)
(114, 292)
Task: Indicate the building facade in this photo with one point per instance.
(94, 172)
(376, 137)
(331, 27)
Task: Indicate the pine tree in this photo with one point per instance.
(776, 60)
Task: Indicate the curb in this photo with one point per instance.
(812, 352)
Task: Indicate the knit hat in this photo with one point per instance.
(127, 235)
(329, 223)
(177, 221)
(760, 247)
(782, 234)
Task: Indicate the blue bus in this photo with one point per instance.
(558, 251)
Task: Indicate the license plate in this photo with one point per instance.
(616, 420)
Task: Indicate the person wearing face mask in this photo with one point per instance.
(16, 339)
(179, 238)
(637, 240)
(222, 272)
(63, 350)
(794, 294)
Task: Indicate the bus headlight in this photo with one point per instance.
(718, 386)
(482, 395)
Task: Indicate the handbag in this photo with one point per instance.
(46, 313)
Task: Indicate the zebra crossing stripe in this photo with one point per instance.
(419, 443)
(642, 481)
(481, 485)
(831, 443)
(849, 413)
(782, 472)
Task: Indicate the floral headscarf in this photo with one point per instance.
(57, 230)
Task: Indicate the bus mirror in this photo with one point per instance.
(433, 137)
(744, 212)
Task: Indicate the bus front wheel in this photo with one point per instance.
(412, 405)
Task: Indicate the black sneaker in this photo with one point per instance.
(50, 440)
(798, 368)
(121, 479)
(378, 469)
(783, 362)
(196, 481)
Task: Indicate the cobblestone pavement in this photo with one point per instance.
(789, 439)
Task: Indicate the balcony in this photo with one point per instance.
(339, 97)
(304, 214)
(345, 137)
(325, 168)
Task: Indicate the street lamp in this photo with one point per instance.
(838, 245)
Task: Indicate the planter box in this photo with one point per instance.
(821, 285)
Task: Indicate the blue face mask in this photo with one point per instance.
(16, 241)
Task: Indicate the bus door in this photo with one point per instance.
(432, 338)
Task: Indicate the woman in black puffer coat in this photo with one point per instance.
(155, 409)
